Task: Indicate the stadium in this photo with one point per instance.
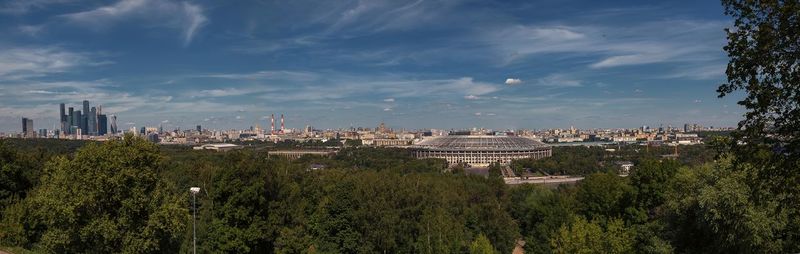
(480, 151)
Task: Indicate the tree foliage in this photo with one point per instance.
(584, 236)
(108, 198)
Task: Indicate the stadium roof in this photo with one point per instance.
(480, 143)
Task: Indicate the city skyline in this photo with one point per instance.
(417, 65)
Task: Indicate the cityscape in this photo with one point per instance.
(95, 125)
(399, 126)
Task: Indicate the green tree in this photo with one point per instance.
(591, 237)
(241, 197)
(481, 245)
(495, 170)
(763, 62)
(108, 198)
(540, 212)
(763, 51)
(18, 174)
(650, 178)
(603, 195)
(712, 210)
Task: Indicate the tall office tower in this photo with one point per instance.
(199, 128)
(85, 119)
(62, 117)
(70, 120)
(27, 128)
(113, 124)
(102, 124)
(77, 121)
(92, 122)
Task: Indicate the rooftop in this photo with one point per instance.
(459, 142)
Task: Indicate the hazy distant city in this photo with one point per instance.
(95, 125)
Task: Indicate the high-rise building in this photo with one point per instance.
(91, 118)
(77, 120)
(85, 119)
(62, 117)
(114, 129)
(199, 128)
(70, 120)
(102, 124)
(27, 128)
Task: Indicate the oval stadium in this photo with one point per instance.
(480, 151)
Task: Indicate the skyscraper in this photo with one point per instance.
(91, 119)
(27, 128)
(113, 124)
(78, 118)
(102, 124)
(62, 117)
(70, 120)
(85, 119)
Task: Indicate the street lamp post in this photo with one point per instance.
(194, 191)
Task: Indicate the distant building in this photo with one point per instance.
(199, 128)
(27, 128)
(91, 120)
(481, 151)
(624, 167)
(294, 154)
(114, 129)
(84, 122)
(152, 137)
(70, 121)
(217, 147)
(62, 118)
(76, 120)
(102, 125)
(391, 142)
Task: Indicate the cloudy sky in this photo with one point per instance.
(332, 64)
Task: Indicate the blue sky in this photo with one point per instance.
(332, 64)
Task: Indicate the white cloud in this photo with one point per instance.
(23, 62)
(264, 75)
(645, 43)
(387, 109)
(471, 97)
(478, 113)
(184, 16)
(702, 72)
(31, 30)
(19, 7)
(513, 81)
(558, 80)
(633, 59)
(389, 100)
